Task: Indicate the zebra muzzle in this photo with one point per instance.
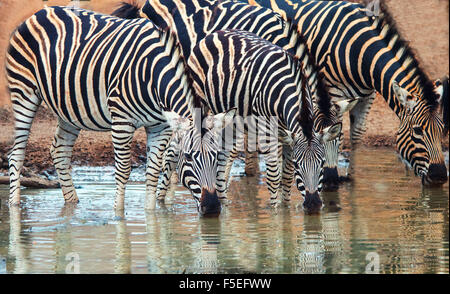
(436, 175)
(209, 203)
(312, 204)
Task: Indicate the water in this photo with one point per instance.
(384, 215)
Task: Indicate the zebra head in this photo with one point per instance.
(419, 137)
(330, 172)
(309, 153)
(309, 158)
(197, 157)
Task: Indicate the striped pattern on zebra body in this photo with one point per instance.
(191, 25)
(99, 73)
(361, 53)
(237, 69)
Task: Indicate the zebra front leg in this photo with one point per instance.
(287, 173)
(61, 152)
(358, 115)
(170, 162)
(122, 134)
(273, 176)
(157, 140)
(24, 109)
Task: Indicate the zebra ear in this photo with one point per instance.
(403, 96)
(176, 121)
(439, 88)
(345, 105)
(330, 133)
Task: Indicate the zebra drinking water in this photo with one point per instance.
(360, 51)
(99, 73)
(191, 25)
(237, 69)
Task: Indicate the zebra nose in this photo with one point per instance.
(312, 204)
(330, 179)
(209, 203)
(436, 175)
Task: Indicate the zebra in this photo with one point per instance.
(197, 167)
(237, 69)
(99, 73)
(191, 25)
(360, 52)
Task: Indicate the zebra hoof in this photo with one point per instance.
(14, 203)
(224, 201)
(275, 204)
(72, 201)
(120, 215)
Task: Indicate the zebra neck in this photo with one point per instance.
(173, 84)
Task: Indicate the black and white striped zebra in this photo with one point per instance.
(99, 73)
(361, 52)
(237, 69)
(192, 20)
(199, 144)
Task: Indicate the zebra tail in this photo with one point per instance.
(128, 10)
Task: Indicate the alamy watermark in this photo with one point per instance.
(373, 267)
(73, 267)
(373, 8)
(2, 265)
(76, 4)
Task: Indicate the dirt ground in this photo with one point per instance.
(424, 23)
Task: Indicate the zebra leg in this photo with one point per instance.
(288, 173)
(273, 176)
(251, 158)
(170, 162)
(157, 140)
(224, 163)
(61, 152)
(358, 115)
(122, 134)
(24, 109)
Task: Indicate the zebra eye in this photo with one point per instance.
(418, 131)
(188, 157)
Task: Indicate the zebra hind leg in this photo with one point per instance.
(24, 109)
(358, 115)
(61, 152)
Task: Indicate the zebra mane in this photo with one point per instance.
(131, 10)
(387, 27)
(306, 111)
(128, 10)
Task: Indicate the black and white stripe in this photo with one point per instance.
(99, 73)
(192, 20)
(238, 70)
(361, 53)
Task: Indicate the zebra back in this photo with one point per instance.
(192, 20)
